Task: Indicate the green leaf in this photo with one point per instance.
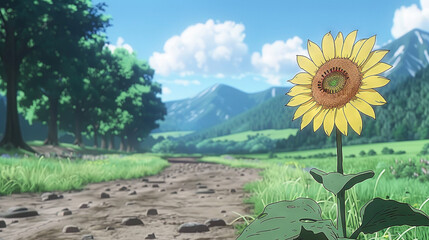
(336, 182)
(379, 214)
(291, 220)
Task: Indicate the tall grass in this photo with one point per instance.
(19, 175)
(288, 181)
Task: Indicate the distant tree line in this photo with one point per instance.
(55, 68)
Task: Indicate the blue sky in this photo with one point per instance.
(250, 45)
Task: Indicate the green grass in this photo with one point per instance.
(79, 149)
(284, 179)
(171, 134)
(19, 175)
(271, 133)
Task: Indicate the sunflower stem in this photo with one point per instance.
(341, 199)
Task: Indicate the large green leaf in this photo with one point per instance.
(379, 214)
(290, 220)
(336, 182)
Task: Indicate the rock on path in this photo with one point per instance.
(202, 194)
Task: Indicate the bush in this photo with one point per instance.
(387, 150)
(165, 146)
(371, 152)
(362, 153)
(425, 149)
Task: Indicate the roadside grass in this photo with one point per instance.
(271, 133)
(31, 174)
(287, 180)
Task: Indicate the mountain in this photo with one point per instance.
(408, 54)
(212, 106)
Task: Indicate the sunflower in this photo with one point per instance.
(338, 82)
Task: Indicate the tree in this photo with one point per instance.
(28, 27)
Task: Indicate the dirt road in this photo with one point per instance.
(182, 193)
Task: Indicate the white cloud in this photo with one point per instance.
(120, 44)
(408, 18)
(278, 59)
(166, 90)
(204, 48)
(186, 82)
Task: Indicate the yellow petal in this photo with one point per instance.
(302, 78)
(303, 109)
(363, 106)
(356, 48)
(328, 46)
(371, 96)
(308, 116)
(318, 119)
(339, 40)
(315, 53)
(328, 123)
(373, 59)
(298, 100)
(374, 82)
(377, 69)
(353, 117)
(299, 89)
(341, 121)
(306, 64)
(348, 44)
(365, 50)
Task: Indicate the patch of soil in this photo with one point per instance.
(182, 193)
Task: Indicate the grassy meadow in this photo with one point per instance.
(271, 133)
(33, 174)
(284, 178)
(170, 134)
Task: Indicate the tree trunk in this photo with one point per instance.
(112, 142)
(12, 135)
(52, 138)
(78, 130)
(103, 142)
(123, 144)
(95, 126)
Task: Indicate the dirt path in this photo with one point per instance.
(175, 199)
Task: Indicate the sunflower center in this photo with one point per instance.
(336, 82)
(333, 80)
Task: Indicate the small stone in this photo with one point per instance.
(144, 185)
(233, 190)
(129, 203)
(150, 236)
(132, 193)
(110, 228)
(2, 224)
(193, 227)
(132, 221)
(145, 180)
(242, 174)
(123, 188)
(206, 191)
(83, 205)
(181, 189)
(107, 189)
(105, 195)
(14, 221)
(155, 185)
(215, 222)
(87, 237)
(50, 196)
(202, 186)
(70, 229)
(173, 192)
(118, 184)
(222, 211)
(162, 190)
(18, 212)
(152, 212)
(64, 212)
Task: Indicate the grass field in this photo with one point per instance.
(271, 133)
(42, 175)
(171, 134)
(284, 179)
